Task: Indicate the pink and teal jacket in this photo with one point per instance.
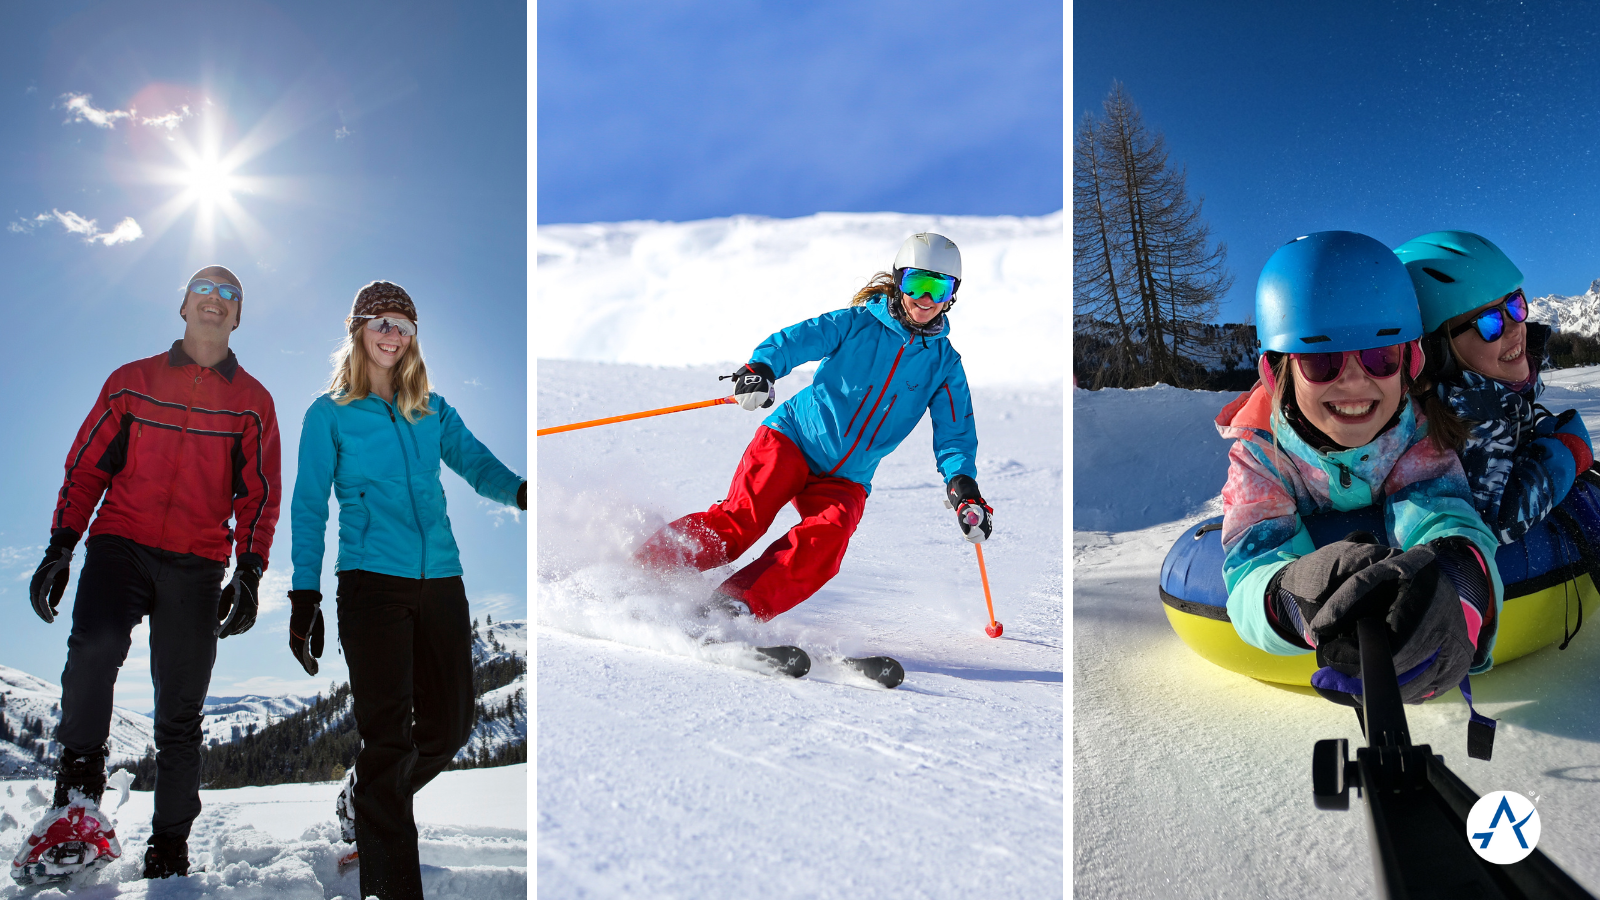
(1275, 477)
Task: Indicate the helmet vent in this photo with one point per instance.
(1316, 339)
(1452, 250)
(1385, 332)
(1438, 275)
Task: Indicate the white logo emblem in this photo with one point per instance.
(1503, 827)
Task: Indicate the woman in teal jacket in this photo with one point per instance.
(886, 361)
(377, 439)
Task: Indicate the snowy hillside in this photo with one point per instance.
(690, 293)
(1222, 763)
(1571, 315)
(674, 768)
(228, 719)
(25, 698)
(503, 711)
(282, 841)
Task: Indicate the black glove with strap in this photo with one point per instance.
(974, 516)
(236, 610)
(752, 385)
(1422, 607)
(522, 496)
(306, 628)
(50, 579)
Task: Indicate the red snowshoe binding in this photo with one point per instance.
(73, 836)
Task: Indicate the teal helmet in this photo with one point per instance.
(1456, 272)
(1332, 291)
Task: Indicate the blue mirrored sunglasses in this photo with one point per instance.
(1491, 323)
(205, 286)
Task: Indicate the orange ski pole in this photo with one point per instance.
(993, 629)
(610, 420)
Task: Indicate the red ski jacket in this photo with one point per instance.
(177, 449)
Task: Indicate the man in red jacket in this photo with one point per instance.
(178, 445)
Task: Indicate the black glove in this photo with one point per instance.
(236, 611)
(972, 514)
(305, 628)
(50, 579)
(1422, 607)
(753, 385)
(1300, 590)
(522, 499)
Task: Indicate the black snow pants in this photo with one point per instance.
(121, 583)
(408, 643)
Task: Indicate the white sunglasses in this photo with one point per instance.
(386, 324)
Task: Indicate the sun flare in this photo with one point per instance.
(210, 180)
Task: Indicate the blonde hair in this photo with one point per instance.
(349, 380)
(881, 283)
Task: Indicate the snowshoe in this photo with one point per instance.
(344, 809)
(67, 842)
(349, 861)
(165, 856)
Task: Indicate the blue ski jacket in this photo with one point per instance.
(850, 417)
(384, 472)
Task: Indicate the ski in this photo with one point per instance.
(885, 670)
(790, 661)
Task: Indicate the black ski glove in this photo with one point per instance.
(305, 628)
(522, 496)
(753, 386)
(974, 516)
(50, 579)
(1422, 607)
(1300, 590)
(236, 611)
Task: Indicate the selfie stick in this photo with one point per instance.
(556, 429)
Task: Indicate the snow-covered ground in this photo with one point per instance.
(282, 842)
(1192, 781)
(667, 768)
(689, 293)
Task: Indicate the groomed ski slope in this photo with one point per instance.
(1192, 781)
(282, 843)
(668, 769)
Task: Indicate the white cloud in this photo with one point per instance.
(342, 133)
(498, 605)
(125, 231)
(82, 110)
(473, 382)
(500, 512)
(26, 557)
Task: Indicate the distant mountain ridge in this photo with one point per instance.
(30, 710)
(1578, 314)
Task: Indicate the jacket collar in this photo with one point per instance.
(176, 358)
(879, 306)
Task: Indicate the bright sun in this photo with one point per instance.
(210, 180)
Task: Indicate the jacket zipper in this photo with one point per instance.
(183, 434)
(881, 392)
(415, 516)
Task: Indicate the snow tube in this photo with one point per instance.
(1547, 578)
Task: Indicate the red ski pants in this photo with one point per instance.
(772, 473)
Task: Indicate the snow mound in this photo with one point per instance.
(693, 293)
(1145, 456)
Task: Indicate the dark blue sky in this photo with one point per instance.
(1389, 118)
(678, 111)
(372, 140)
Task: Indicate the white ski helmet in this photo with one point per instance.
(933, 252)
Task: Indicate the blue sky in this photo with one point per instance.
(371, 140)
(681, 111)
(1388, 118)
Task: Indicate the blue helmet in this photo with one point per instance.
(1456, 272)
(1332, 291)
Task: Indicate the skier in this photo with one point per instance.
(1329, 427)
(1481, 384)
(178, 444)
(376, 439)
(820, 448)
